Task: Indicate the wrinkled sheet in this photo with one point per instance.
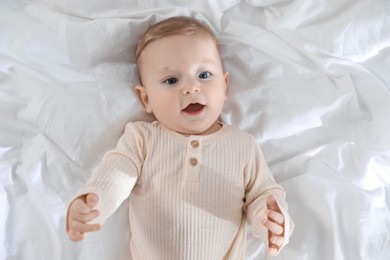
(309, 79)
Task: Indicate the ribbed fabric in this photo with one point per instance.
(190, 196)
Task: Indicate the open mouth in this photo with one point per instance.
(194, 109)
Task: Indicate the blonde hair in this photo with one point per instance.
(179, 25)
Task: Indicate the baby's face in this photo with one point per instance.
(184, 84)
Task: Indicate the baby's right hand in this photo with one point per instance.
(80, 212)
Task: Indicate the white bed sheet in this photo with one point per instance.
(309, 79)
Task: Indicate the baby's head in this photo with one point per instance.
(179, 25)
(183, 82)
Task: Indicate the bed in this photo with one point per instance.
(309, 79)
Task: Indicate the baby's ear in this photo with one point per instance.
(226, 77)
(143, 95)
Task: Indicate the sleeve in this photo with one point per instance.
(259, 185)
(116, 175)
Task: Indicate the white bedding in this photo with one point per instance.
(309, 79)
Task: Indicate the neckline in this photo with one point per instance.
(184, 138)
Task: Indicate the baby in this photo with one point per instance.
(192, 180)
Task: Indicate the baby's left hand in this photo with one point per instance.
(274, 222)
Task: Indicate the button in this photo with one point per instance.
(193, 161)
(195, 143)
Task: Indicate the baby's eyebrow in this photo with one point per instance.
(209, 61)
(203, 63)
(168, 69)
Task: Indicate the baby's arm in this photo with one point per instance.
(80, 212)
(109, 185)
(266, 206)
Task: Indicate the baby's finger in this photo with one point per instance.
(277, 240)
(79, 206)
(92, 199)
(271, 203)
(82, 227)
(84, 218)
(273, 227)
(275, 216)
(75, 236)
(273, 250)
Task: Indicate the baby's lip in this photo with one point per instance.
(193, 108)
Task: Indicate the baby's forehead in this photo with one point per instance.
(177, 41)
(178, 37)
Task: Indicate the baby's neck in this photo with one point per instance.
(212, 129)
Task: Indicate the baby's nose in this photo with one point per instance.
(191, 88)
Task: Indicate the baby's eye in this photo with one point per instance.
(171, 81)
(204, 75)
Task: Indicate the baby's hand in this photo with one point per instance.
(80, 212)
(274, 222)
